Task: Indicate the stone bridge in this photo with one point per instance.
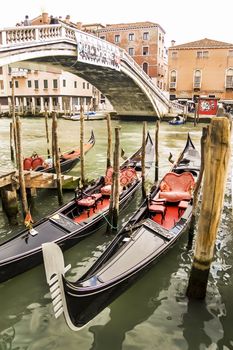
(109, 68)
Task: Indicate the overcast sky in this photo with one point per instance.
(183, 20)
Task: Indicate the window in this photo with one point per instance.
(131, 51)
(197, 79)
(230, 53)
(55, 84)
(202, 54)
(174, 54)
(1, 85)
(131, 37)
(145, 51)
(117, 38)
(36, 84)
(145, 67)
(88, 85)
(229, 78)
(84, 85)
(45, 84)
(0, 70)
(173, 78)
(16, 83)
(75, 84)
(146, 36)
(64, 83)
(102, 37)
(29, 83)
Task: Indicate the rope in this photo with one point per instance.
(114, 228)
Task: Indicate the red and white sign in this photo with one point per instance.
(208, 106)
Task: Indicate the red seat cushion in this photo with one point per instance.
(86, 202)
(175, 196)
(157, 208)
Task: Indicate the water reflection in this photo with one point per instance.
(154, 313)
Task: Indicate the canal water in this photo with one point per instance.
(154, 313)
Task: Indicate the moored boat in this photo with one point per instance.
(157, 224)
(178, 120)
(68, 160)
(79, 218)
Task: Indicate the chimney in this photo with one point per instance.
(173, 42)
(45, 18)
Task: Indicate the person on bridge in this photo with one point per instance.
(27, 21)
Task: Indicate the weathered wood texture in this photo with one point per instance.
(217, 157)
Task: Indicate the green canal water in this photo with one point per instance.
(154, 313)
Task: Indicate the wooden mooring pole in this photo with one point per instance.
(82, 174)
(143, 159)
(23, 192)
(156, 150)
(217, 157)
(10, 205)
(198, 184)
(115, 193)
(57, 159)
(109, 146)
(11, 142)
(47, 131)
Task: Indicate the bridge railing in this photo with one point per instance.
(22, 35)
(126, 57)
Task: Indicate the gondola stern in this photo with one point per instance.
(55, 271)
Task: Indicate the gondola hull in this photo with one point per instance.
(139, 244)
(66, 226)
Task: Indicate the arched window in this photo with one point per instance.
(229, 78)
(197, 79)
(173, 78)
(145, 67)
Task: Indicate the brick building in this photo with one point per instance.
(144, 41)
(201, 68)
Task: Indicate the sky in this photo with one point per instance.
(182, 20)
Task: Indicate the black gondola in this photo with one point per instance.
(79, 218)
(68, 160)
(149, 233)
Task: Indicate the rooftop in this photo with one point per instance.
(203, 44)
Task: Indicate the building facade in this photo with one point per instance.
(201, 68)
(53, 89)
(144, 41)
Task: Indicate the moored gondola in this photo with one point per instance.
(79, 218)
(158, 223)
(68, 160)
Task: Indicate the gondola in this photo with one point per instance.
(67, 160)
(79, 218)
(158, 223)
(178, 120)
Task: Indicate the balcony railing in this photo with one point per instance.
(172, 85)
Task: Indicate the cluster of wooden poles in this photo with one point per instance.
(215, 154)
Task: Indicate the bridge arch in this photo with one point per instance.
(125, 84)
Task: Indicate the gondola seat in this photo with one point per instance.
(97, 197)
(157, 208)
(27, 163)
(177, 187)
(87, 203)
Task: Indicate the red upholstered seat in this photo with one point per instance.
(96, 196)
(127, 176)
(27, 163)
(177, 187)
(86, 202)
(36, 162)
(158, 209)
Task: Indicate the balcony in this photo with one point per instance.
(229, 86)
(172, 85)
(196, 86)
